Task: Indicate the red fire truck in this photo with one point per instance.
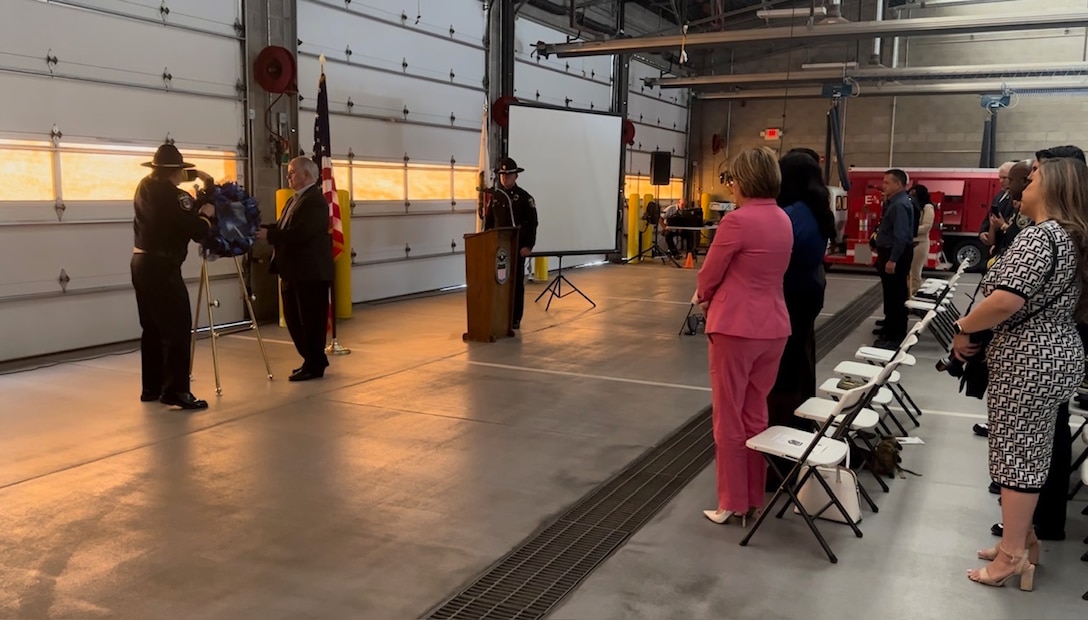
(961, 197)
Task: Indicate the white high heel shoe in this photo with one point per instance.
(723, 516)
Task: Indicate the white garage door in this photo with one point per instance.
(91, 89)
(661, 124)
(406, 100)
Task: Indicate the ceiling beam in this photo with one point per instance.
(876, 74)
(923, 26)
(976, 87)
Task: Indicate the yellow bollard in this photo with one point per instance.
(634, 222)
(648, 235)
(342, 265)
(282, 196)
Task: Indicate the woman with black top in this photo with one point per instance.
(807, 201)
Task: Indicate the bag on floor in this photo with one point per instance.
(844, 484)
(885, 460)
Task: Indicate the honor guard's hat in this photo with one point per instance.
(508, 166)
(168, 156)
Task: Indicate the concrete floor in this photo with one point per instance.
(419, 460)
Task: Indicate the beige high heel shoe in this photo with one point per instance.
(1032, 546)
(1021, 568)
(723, 516)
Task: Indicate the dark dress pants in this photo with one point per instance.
(519, 288)
(162, 301)
(306, 312)
(796, 380)
(1050, 512)
(896, 293)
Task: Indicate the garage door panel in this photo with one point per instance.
(323, 29)
(112, 115)
(384, 238)
(381, 140)
(74, 321)
(436, 17)
(139, 52)
(377, 93)
(382, 281)
(212, 15)
(92, 255)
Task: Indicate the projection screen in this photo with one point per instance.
(572, 169)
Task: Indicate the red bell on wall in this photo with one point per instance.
(500, 110)
(628, 132)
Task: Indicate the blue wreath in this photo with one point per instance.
(237, 221)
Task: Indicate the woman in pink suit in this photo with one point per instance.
(740, 289)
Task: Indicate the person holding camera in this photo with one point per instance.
(1035, 357)
(166, 219)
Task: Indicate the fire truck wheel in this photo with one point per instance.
(971, 253)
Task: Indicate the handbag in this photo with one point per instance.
(975, 378)
(844, 484)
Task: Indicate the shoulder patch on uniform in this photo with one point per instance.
(185, 201)
(532, 202)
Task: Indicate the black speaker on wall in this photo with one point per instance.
(660, 167)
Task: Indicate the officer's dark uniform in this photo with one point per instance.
(520, 212)
(166, 219)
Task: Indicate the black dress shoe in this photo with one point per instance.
(880, 322)
(516, 325)
(981, 430)
(306, 374)
(884, 343)
(148, 396)
(879, 331)
(184, 400)
(297, 370)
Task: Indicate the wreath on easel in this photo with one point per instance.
(237, 220)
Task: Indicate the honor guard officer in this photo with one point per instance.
(514, 208)
(167, 218)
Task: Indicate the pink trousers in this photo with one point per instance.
(742, 373)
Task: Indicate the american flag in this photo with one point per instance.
(323, 159)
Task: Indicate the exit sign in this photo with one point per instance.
(772, 133)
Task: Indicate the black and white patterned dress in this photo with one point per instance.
(1036, 365)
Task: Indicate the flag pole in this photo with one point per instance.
(323, 151)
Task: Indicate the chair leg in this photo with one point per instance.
(793, 498)
(906, 395)
(868, 500)
(895, 419)
(684, 325)
(872, 450)
(906, 409)
(837, 503)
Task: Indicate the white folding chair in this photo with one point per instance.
(812, 450)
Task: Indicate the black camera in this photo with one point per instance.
(952, 365)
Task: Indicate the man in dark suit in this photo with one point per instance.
(303, 260)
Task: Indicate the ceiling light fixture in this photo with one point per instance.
(819, 11)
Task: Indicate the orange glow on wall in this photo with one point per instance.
(27, 175)
(429, 182)
(114, 176)
(465, 181)
(375, 182)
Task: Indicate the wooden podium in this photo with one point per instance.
(490, 263)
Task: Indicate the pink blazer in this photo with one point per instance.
(742, 273)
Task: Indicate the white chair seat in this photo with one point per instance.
(926, 306)
(863, 372)
(1084, 472)
(817, 410)
(881, 356)
(831, 389)
(791, 443)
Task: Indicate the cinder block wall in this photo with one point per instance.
(924, 130)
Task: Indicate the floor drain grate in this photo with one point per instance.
(540, 572)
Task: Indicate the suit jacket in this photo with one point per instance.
(743, 271)
(301, 240)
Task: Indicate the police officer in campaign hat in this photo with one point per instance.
(514, 207)
(167, 218)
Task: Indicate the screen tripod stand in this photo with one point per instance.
(652, 217)
(555, 287)
(204, 292)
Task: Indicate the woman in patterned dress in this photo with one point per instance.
(1035, 358)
